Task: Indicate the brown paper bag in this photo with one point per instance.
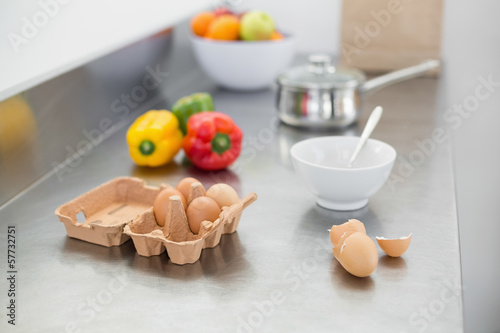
(383, 35)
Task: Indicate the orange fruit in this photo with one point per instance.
(201, 22)
(225, 27)
(276, 36)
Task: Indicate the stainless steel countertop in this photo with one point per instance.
(277, 273)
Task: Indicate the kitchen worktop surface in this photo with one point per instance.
(277, 272)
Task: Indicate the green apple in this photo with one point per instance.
(256, 25)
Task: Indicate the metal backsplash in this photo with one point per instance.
(49, 128)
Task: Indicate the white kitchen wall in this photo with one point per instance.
(315, 22)
(40, 39)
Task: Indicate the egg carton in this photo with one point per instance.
(182, 246)
(104, 211)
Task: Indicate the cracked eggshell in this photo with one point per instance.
(394, 247)
(337, 231)
(338, 246)
(358, 255)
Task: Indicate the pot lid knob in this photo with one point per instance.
(320, 63)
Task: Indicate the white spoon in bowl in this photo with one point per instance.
(367, 131)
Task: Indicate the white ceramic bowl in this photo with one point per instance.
(241, 65)
(322, 165)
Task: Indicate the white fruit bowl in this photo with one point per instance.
(243, 65)
(322, 165)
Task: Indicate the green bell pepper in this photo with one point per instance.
(189, 105)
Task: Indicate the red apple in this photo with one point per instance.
(240, 15)
(222, 11)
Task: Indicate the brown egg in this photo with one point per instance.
(358, 255)
(202, 209)
(337, 231)
(185, 184)
(223, 194)
(160, 206)
(394, 247)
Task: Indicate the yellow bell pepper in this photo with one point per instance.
(154, 138)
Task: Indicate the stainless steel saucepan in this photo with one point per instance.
(318, 95)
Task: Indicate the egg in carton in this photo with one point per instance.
(176, 237)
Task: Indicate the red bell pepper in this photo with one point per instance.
(213, 140)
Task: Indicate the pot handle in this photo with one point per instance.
(398, 76)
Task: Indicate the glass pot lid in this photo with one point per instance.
(319, 73)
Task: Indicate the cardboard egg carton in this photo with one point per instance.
(122, 209)
(106, 210)
(182, 246)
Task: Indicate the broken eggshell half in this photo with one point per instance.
(353, 249)
(337, 231)
(394, 247)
